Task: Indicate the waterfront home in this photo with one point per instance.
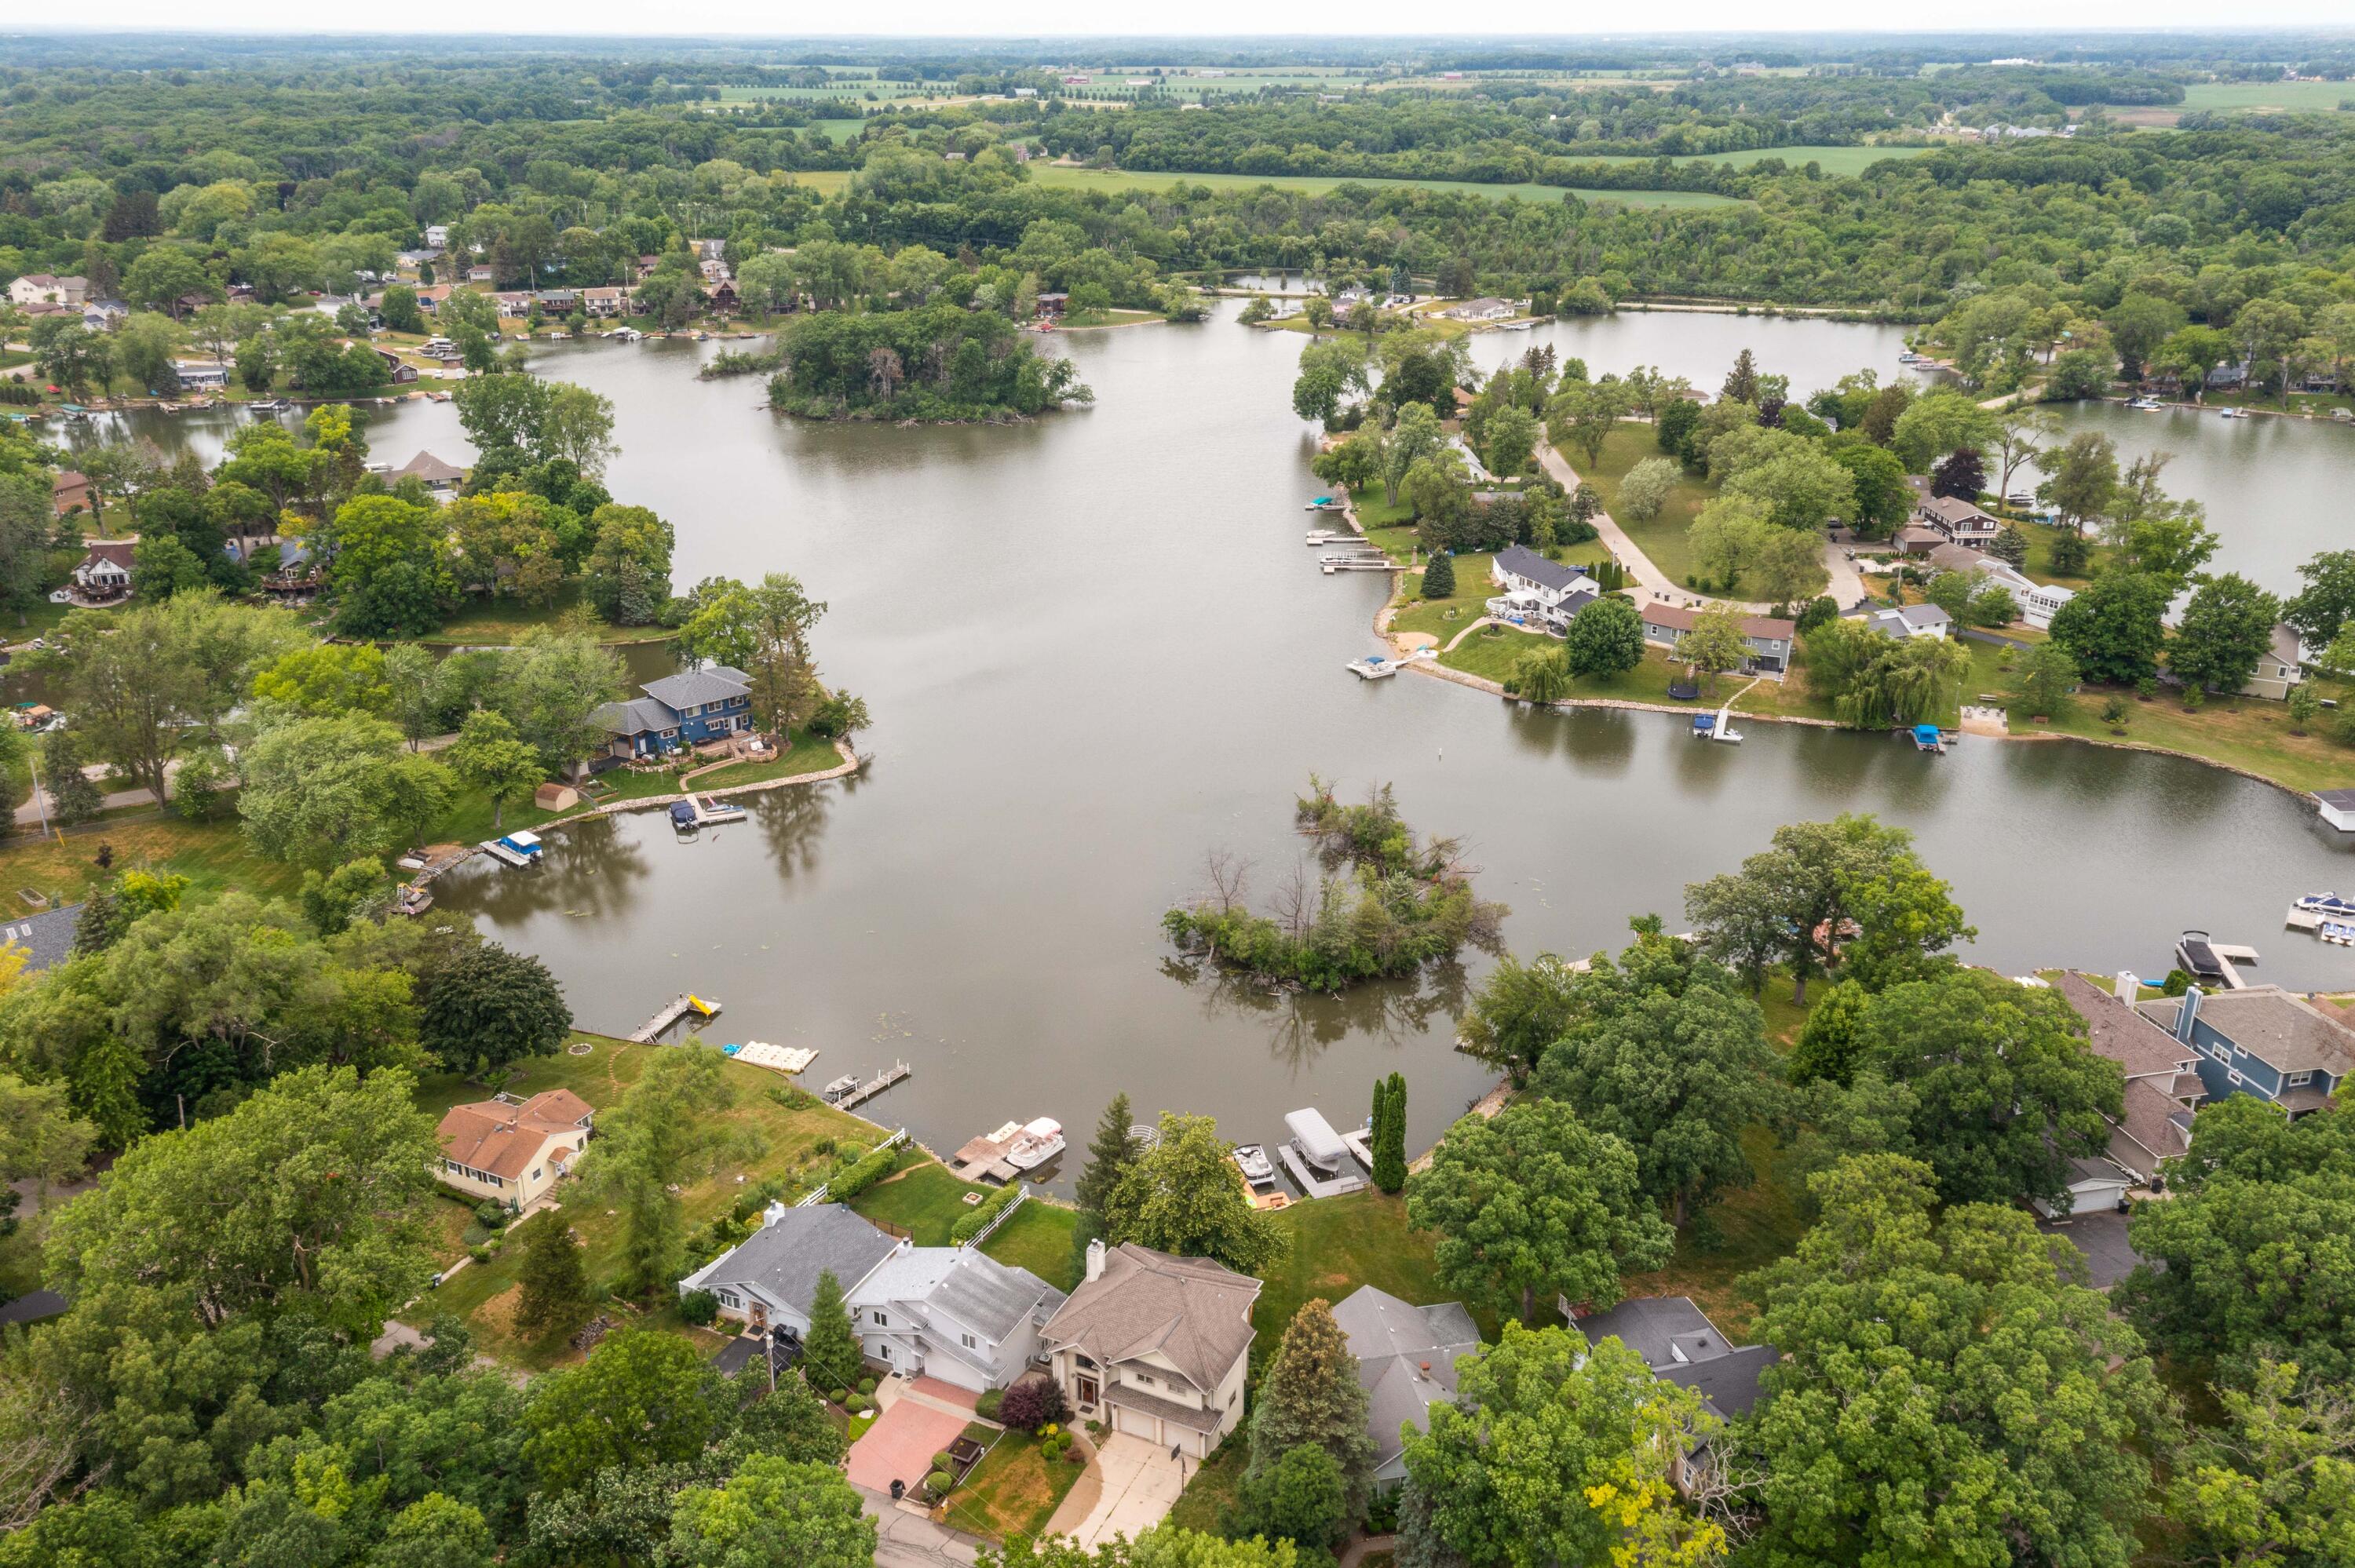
(2229, 378)
(47, 289)
(1958, 522)
(2036, 602)
(1768, 637)
(1907, 620)
(1681, 1346)
(200, 374)
(686, 709)
(509, 1150)
(2278, 670)
(442, 479)
(599, 305)
(945, 1312)
(2164, 1089)
(69, 491)
(1406, 1362)
(1156, 1346)
(1538, 589)
(397, 370)
(2261, 1041)
(1481, 309)
(104, 571)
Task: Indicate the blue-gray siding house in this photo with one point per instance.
(683, 710)
(2263, 1041)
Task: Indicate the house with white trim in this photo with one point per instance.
(510, 1150)
(1958, 522)
(2036, 602)
(1156, 1346)
(1535, 589)
(2279, 668)
(947, 1312)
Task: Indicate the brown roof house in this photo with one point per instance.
(69, 491)
(104, 573)
(2163, 1085)
(1156, 1346)
(442, 478)
(511, 1150)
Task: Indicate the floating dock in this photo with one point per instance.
(2212, 963)
(1312, 1184)
(776, 1058)
(846, 1092)
(983, 1159)
(516, 849)
(670, 1013)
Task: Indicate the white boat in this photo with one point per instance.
(2146, 405)
(1908, 356)
(1314, 1139)
(1036, 1143)
(1253, 1161)
(1326, 536)
(2327, 904)
(2233, 414)
(1516, 326)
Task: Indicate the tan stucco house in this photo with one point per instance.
(1156, 1346)
(512, 1150)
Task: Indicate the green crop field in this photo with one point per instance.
(2304, 97)
(840, 130)
(1834, 160)
(1317, 185)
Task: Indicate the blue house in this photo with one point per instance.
(682, 710)
(2262, 1041)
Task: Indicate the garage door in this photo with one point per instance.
(1136, 1422)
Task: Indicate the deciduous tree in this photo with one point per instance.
(1180, 1197)
(485, 1009)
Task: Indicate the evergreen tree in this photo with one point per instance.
(72, 796)
(555, 1287)
(1439, 576)
(1390, 1134)
(2010, 546)
(1311, 1395)
(830, 1351)
(1109, 1153)
(1742, 381)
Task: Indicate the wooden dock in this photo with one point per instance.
(858, 1093)
(670, 1013)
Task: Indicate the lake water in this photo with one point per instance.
(1095, 648)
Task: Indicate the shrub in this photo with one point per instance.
(480, 1254)
(938, 1483)
(969, 1225)
(1074, 1456)
(701, 1307)
(491, 1214)
(986, 1405)
(863, 1175)
(1027, 1406)
(857, 1403)
(941, 1461)
(866, 1385)
(839, 1395)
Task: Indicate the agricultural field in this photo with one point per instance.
(2299, 97)
(1317, 185)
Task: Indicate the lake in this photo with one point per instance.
(1096, 648)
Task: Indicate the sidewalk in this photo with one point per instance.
(1641, 573)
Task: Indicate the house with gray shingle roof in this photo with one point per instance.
(1681, 1346)
(687, 709)
(2261, 1041)
(1406, 1363)
(1156, 1346)
(947, 1312)
(2163, 1089)
(47, 937)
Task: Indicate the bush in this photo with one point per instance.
(969, 1225)
(1074, 1456)
(866, 1385)
(839, 1395)
(857, 1403)
(1821, 609)
(986, 1405)
(938, 1483)
(480, 1254)
(701, 1307)
(863, 1175)
(491, 1214)
(941, 1461)
(1027, 1406)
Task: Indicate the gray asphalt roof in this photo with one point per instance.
(2280, 1029)
(1406, 1359)
(47, 937)
(691, 688)
(638, 716)
(1523, 562)
(989, 1296)
(784, 1257)
(1728, 1383)
(1662, 1329)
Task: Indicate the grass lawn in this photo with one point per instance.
(808, 754)
(486, 621)
(213, 857)
(924, 1201)
(840, 130)
(1214, 1487)
(1758, 1224)
(1493, 651)
(787, 1142)
(1068, 178)
(1014, 1491)
(1445, 618)
(1116, 317)
(1038, 1238)
(1661, 536)
(1339, 1243)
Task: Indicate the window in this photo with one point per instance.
(535, 1175)
(882, 1321)
(970, 1342)
(729, 1298)
(2235, 1076)
(2300, 1080)
(1141, 1380)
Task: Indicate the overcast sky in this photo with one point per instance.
(1360, 17)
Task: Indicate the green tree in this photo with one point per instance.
(1645, 489)
(1518, 1010)
(2226, 629)
(1605, 639)
(641, 1399)
(1801, 487)
(1512, 439)
(830, 1350)
(1414, 435)
(1714, 643)
(2328, 600)
(665, 1131)
(487, 757)
(72, 796)
(1179, 1195)
(318, 792)
(1311, 1397)
(1880, 499)
(1678, 1077)
(627, 576)
(2274, 1483)
(1540, 675)
(1891, 1428)
(773, 1513)
(386, 568)
(435, 1531)
(485, 1009)
(764, 630)
(1110, 1152)
(2084, 481)
(1552, 1452)
(2113, 629)
(1583, 414)
(1939, 422)
(1534, 1203)
(1390, 1134)
(1303, 1497)
(1808, 883)
(1439, 576)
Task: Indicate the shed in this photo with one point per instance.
(2094, 1186)
(555, 797)
(1315, 1137)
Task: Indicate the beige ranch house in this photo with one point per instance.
(511, 1151)
(1155, 1346)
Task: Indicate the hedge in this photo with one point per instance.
(981, 1213)
(863, 1175)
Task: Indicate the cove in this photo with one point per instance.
(1095, 648)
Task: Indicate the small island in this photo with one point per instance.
(1385, 904)
(936, 364)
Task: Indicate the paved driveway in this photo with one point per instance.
(901, 1445)
(2102, 1237)
(1140, 1484)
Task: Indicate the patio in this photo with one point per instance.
(901, 1445)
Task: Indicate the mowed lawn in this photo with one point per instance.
(2297, 97)
(1663, 535)
(927, 1201)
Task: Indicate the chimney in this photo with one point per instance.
(1095, 1259)
(2129, 986)
(773, 1213)
(2187, 1015)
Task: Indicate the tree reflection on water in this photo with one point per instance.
(1302, 1024)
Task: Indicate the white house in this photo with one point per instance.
(47, 289)
(1156, 1346)
(1538, 589)
(2037, 603)
(946, 1312)
(1910, 620)
(511, 1150)
(1482, 309)
(437, 236)
(105, 571)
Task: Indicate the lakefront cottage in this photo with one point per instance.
(1537, 590)
(682, 710)
(1768, 638)
(509, 1150)
(1406, 1359)
(1156, 1346)
(2279, 668)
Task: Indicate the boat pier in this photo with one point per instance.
(984, 1158)
(670, 1013)
(849, 1090)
